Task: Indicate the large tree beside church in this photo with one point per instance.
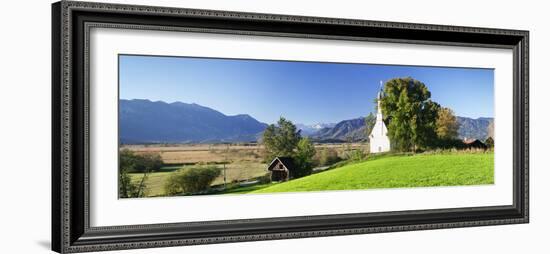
(410, 114)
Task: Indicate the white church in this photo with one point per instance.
(379, 141)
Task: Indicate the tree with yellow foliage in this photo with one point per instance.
(446, 124)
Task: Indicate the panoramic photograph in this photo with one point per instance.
(193, 126)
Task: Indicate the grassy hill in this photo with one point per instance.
(398, 171)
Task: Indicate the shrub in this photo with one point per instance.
(303, 159)
(449, 144)
(490, 142)
(191, 180)
(328, 157)
(172, 185)
(266, 178)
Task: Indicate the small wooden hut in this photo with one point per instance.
(280, 168)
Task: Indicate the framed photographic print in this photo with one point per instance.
(181, 126)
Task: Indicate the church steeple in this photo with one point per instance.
(378, 99)
(380, 90)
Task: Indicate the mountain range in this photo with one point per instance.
(353, 129)
(474, 128)
(145, 121)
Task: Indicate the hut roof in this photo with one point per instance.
(476, 143)
(471, 141)
(288, 162)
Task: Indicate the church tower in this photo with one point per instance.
(378, 138)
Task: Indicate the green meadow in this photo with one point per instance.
(397, 172)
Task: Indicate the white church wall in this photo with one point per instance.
(378, 138)
(378, 145)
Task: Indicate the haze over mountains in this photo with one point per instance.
(144, 121)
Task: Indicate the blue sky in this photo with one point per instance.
(304, 92)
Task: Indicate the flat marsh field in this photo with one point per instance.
(242, 162)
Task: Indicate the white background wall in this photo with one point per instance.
(25, 126)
